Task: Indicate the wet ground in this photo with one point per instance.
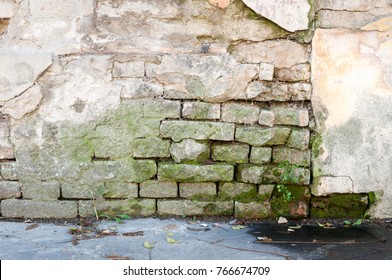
(189, 239)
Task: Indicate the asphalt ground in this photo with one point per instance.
(190, 239)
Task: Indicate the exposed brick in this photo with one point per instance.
(150, 148)
(299, 139)
(197, 190)
(201, 111)
(231, 153)
(121, 190)
(161, 109)
(266, 72)
(266, 118)
(16, 208)
(257, 136)
(291, 116)
(79, 191)
(252, 210)
(41, 191)
(293, 156)
(190, 208)
(250, 173)
(240, 113)
(156, 189)
(260, 155)
(299, 72)
(190, 151)
(195, 173)
(178, 130)
(133, 207)
(10, 189)
(237, 191)
(8, 170)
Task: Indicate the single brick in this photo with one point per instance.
(293, 176)
(20, 208)
(41, 191)
(80, 191)
(250, 173)
(231, 153)
(10, 189)
(266, 118)
(156, 189)
(291, 116)
(178, 130)
(299, 139)
(266, 72)
(150, 148)
(161, 109)
(121, 190)
(257, 136)
(197, 190)
(260, 155)
(252, 210)
(189, 151)
(240, 113)
(237, 191)
(9, 170)
(299, 72)
(195, 173)
(201, 111)
(133, 207)
(191, 208)
(130, 69)
(265, 191)
(293, 156)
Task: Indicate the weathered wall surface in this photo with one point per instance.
(191, 108)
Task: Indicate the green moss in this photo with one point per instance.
(339, 206)
(316, 146)
(372, 198)
(203, 197)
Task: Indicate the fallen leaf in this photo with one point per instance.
(125, 217)
(264, 238)
(169, 234)
(198, 229)
(172, 241)
(149, 245)
(113, 228)
(28, 221)
(357, 222)
(170, 227)
(116, 257)
(108, 232)
(295, 227)
(238, 227)
(346, 222)
(31, 226)
(134, 233)
(290, 230)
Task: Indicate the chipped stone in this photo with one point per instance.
(190, 150)
(201, 110)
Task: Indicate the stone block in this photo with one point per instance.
(201, 111)
(129, 69)
(195, 173)
(189, 151)
(237, 191)
(252, 210)
(291, 116)
(266, 72)
(9, 170)
(260, 155)
(339, 206)
(265, 191)
(296, 73)
(250, 173)
(286, 174)
(286, 92)
(6, 148)
(194, 208)
(150, 148)
(121, 190)
(138, 88)
(41, 191)
(326, 185)
(293, 156)
(299, 139)
(240, 113)
(10, 189)
(157, 189)
(178, 130)
(266, 118)
(161, 109)
(80, 191)
(257, 136)
(231, 153)
(17, 208)
(132, 207)
(255, 89)
(198, 191)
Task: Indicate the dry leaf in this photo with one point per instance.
(134, 233)
(116, 257)
(172, 241)
(31, 226)
(264, 238)
(238, 227)
(148, 245)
